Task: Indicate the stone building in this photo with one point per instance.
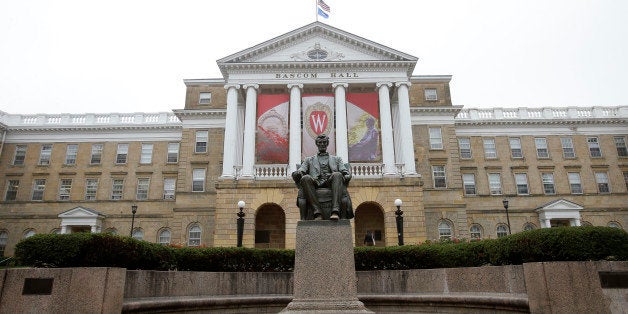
(240, 136)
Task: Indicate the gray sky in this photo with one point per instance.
(83, 56)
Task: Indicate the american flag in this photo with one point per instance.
(324, 6)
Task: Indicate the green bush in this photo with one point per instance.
(541, 245)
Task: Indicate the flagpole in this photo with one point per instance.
(316, 10)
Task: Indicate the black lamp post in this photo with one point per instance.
(399, 218)
(241, 215)
(505, 202)
(133, 211)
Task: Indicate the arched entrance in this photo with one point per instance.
(369, 216)
(270, 227)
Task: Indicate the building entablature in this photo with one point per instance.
(434, 115)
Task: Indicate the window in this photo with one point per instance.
(173, 152)
(194, 236)
(122, 153)
(12, 187)
(111, 231)
(515, 147)
(574, 182)
(44, 155)
(201, 142)
(444, 230)
(146, 157)
(20, 155)
(614, 224)
(548, 183)
(601, 178)
(568, 151)
(521, 179)
(626, 178)
(502, 231)
(586, 224)
(169, 187)
(431, 94)
(91, 187)
(96, 154)
(495, 183)
(529, 226)
(468, 181)
(64, 189)
(594, 147)
(142, 188)
(4, 238)
(138, 234)
(436, 138)
(475, 231)
(489, 148)
(39, 186)
(541, 147)
(29, 233)
(117, 188)
(198, 180)
(204, 98)
(438, 173)
(620, 144)
(164, 237)
(70, 154)
(464, 144)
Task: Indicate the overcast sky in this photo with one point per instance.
(84, 56)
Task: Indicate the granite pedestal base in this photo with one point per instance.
(324, 269)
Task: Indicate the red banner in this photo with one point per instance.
(272, 129)
(363, 127)
(318, 118)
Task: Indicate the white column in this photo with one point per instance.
(405, 126)
(294, 156)
(248, 153)
(388, 148)
(576, 222)
(229, 149)
(94, 229)
(64, 229)
(342, 148)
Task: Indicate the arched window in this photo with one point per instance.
(614, 224)
(56, 231)
(529, 226)
(586, 224)
(138, 234)
(29, 233)
(444, 230)
(164, 237)
(194, 235)
(111, 231)
(4, 238)
(475, 231)
(502, 230)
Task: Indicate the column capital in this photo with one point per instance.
(236, 86)
(334, 85)
(380, 84)
(406, 83)
(246, 86)
(299, 85)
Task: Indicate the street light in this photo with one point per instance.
(133, 211)
(399, 218)
(505, 202)
(241, 215)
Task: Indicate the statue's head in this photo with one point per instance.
(322, 141)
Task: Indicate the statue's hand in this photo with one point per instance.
(347, 178)
(296, 176)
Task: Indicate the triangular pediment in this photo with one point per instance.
(560, 205)
(80, 212)
(314, 45)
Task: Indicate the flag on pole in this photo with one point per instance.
(323, 9)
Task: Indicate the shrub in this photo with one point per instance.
(541, 245)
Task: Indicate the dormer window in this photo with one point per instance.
(205, 98)
(430, 94)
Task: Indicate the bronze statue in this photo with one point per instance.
(322, 180)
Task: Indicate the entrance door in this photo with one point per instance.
(270, 227)
(369, 216)
(77, 229)
(560, 223)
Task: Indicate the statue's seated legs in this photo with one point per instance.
(335, 182)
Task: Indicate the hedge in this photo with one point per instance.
(541, 245)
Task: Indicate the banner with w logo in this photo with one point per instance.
(318, 118)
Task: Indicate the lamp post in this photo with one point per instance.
(505, 202)
(399, 218)
(133, 211)
(241, 215)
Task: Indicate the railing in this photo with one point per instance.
(61, 120)
(367, 170)
(524, 113)
(280, 171)
(271, 172)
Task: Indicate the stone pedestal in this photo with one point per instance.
(324, 269)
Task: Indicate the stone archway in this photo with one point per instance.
(370, 216)
(270, 227)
